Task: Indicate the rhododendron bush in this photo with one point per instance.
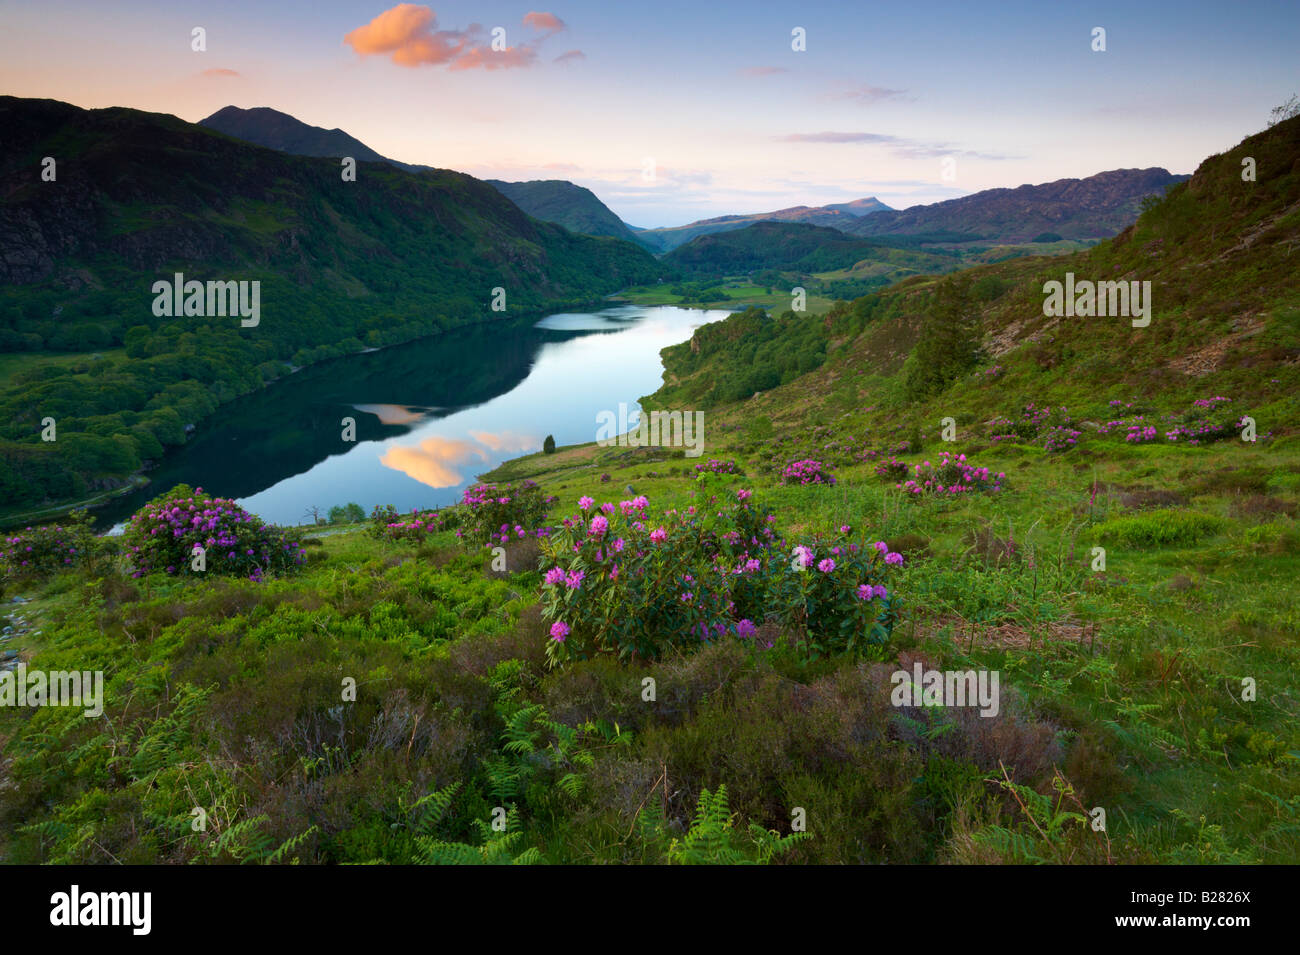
(951, 475)
(494, 514)
(387, 523)
(807, 471)
(39, 551)
(621, 580)
(163, 534)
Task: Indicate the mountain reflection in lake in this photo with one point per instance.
(430, 415)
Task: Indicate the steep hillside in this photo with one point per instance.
(1096, 207)
(562, 202)
(138, 197)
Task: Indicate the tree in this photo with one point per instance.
(1287, 110)
(548, 446)
(948, 346)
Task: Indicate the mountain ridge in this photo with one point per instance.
(1094, 207)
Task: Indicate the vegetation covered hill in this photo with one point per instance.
(343, 265)
(566, 204)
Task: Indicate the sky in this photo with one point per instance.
(672, 111)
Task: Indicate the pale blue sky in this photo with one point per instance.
(733, 119)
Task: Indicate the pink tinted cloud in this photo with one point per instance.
(220, 72)
(408, 34)
(547, 22)
(570, 56)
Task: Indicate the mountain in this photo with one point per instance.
(276, 130)
(838, 216)
(859, 207)
(138, 197)
(794, 246)
(551, 200)
(1093, 208)
(566, 204)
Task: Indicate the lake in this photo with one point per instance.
(430, 415)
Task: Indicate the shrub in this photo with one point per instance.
(495, 514)
(37, 552)
(381, 517)
(163, 535)
(805, 472)
(714, 466)
(418, 525)
(619, 582)
(548, 446)
(892, 469)
(952, 475)
(1060, 438)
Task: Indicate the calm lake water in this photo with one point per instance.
(430, 415)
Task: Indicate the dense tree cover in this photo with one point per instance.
(342, 265)
(745, 353)
(791, 245)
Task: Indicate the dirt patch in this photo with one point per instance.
(1210, 358)
(1011, 636)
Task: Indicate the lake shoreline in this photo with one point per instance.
(55, 510)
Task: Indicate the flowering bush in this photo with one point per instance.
(622, 582)
(1060, 438)
(834, 594)
(1032, 423)
(806, 471)
(1202, 423)
(495, 514)
(415, 526)
(892, 469)
(39, 551)
(952, 475)
(163, 535)
(714, 466)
